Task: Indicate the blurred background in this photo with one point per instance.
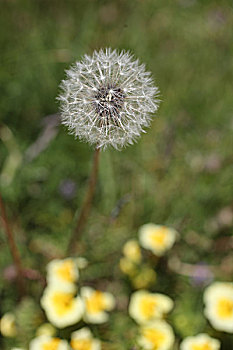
(179, 174)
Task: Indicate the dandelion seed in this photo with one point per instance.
(108, 99)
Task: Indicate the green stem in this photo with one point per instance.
(86, 207)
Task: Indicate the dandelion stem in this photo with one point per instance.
(85, 210)
(13, 248)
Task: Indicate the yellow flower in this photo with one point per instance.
(157, 238)
(145, 306)
(127, 266)
(156, 335)
(64, 272)
(132, 251)
(46, 329)
(218, 299)
(144, 278)
(96, 305)
(200, 342)
(7, 325)
(45, 342)
(83, 340)
(61, 306)
(81, 262)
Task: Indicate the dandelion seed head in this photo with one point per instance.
(108, 99)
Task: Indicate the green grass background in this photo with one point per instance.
(178, 174)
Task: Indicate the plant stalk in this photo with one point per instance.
(86, 207)
(13, 249)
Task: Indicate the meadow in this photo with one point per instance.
(178, 174)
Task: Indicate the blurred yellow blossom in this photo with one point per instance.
(145, 306)
(132, 251)
(157, 238)
(61, 306)
(156, 335)
(83, 340)
(45, 342)
(81, 262)
(62, 271)
(7, 325)
(46, 329)
(218, 299)
(127, 266)
(200, 342)
(96, 305)
(144, 278)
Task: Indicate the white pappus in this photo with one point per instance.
(108, 99)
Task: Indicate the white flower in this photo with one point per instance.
(108, 98)
(96, 304)
(157, 238)
(61, 306)
(62, 271)
(83, 340)
(7, 325)
(156, 335)
(200, 342)
(145, 306)
(45, 342)
(218, 299)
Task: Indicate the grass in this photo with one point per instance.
(178, 174)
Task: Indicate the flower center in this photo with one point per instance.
(81, 344)
(52, 344)
(155, 337)
(95, 303)
(158, 237)
(65, 271)
(109, 100)
(204, 346)
(225, 308)
(148, 306)
(63, 302)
